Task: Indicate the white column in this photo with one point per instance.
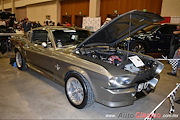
(94, 8)
(2, 4)
(58, 4)
(12, 6)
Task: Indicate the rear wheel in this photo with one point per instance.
(78, 91)
(20, 61)
(139, 48)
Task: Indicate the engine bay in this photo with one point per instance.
(112, 57)
(120, 58)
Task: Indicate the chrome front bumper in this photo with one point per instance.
(124, 97)
(119, 97)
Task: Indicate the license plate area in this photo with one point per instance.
(142, 86)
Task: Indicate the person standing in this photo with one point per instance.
(67, 24)
(38, 24)
(11, 21)
(58, 24)
(26, 26)
(175, 44)
(175, 41)
(107, 21)
(2, 22)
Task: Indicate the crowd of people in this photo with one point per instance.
(25, 25)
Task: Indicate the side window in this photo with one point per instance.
(172, 28)
(165, 30)
(41, 36)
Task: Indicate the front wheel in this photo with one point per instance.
(139, 48)
(78, 91)
(20, 61)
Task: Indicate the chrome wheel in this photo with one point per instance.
(19, 61)
(139, 48)
(75, 91)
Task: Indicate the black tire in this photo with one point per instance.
(20, 61)
(138, 48)
(88, 95)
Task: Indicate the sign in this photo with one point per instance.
(136, 61)
(92, 24)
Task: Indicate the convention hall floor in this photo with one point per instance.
(28, 95)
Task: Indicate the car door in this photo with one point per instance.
(165, 35)
(36, 54)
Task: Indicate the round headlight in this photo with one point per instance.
(121, 81)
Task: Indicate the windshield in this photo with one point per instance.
(149, 28)
(69, 37)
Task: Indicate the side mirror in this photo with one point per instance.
(44, 44)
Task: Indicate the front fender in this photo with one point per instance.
(18, 48)
(83, 73)
(78, 70)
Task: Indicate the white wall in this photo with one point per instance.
(170, 8)
(22, 3)
(38, 12)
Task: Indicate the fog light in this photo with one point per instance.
(140, 87)
(133, 94)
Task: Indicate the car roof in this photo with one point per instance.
(159, 25)
(168, 24)
(59, 28)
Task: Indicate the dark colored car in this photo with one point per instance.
(6, 15)
(92, 70)
(152, 39)
(5, 34)
(4, 29)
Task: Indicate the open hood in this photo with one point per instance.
(121, 27)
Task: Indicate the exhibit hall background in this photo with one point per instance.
(170, 8)
(73, 10)
(39, 12)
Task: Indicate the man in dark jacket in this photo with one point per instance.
(175, 41)
(26, 26)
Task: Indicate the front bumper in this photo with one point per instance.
(119, 97)
(126, 96)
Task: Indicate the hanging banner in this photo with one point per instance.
(92, 24)
(175, 19)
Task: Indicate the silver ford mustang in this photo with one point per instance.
(92, 70)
